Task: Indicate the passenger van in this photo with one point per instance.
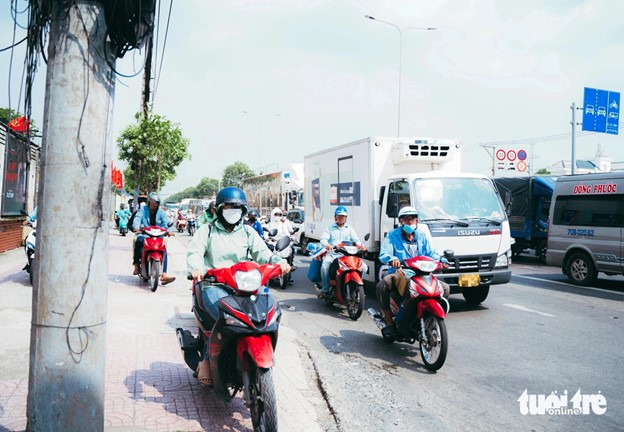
(586, 232)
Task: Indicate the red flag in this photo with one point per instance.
(19, 124)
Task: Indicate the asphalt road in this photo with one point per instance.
(537, 334)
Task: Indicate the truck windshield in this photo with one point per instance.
(457, 199)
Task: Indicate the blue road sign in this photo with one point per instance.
(601, 111)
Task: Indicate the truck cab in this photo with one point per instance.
(460, 212)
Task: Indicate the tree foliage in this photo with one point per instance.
(207, 187)
(543, 171)
(153, 149)
(233, 175)
(7, 114)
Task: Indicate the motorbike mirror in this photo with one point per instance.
(449, 254)
(367, 236)
(273, 232)
(282, 243)
(170, 224)
(295, 229)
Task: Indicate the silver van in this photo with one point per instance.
(586, 226)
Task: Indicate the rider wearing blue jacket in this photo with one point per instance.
(400, 244)
(150, 215)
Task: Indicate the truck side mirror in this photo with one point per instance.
(392, 211)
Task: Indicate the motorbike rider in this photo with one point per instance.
(334, 234)
(404, 242)
(224, 243)
(150, 215)
(121, 215)
(279, 222)
(207, 216)
(254, 223)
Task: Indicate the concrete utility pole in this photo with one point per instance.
(68, 334)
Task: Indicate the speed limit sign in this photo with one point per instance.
(501, 154)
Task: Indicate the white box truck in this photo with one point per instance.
(374, 177)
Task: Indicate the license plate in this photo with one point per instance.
(469, 280)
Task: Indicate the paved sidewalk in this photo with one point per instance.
(148, 386)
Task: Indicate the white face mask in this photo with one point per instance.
(232, 216)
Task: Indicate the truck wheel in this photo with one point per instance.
(581, 270)
(476, 295)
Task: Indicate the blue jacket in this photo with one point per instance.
(144, 219)
(394, 246)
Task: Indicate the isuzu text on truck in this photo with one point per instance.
(374, 177)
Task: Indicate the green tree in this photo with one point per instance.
(233, 175)
(7, 114)
(207, 187)
(153, 149)
(543, 171)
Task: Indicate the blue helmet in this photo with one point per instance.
(231, 195)
(340, 211)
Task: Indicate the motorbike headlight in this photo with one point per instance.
(249, 281)
(503, 260)
(230, 320)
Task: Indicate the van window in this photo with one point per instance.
(595, 211)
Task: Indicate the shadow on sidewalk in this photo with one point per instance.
(21, 277)
(173, 387)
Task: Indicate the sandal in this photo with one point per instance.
(204, 379)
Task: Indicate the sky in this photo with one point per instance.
(266, 82)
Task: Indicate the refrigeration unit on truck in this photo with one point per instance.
(374, 177)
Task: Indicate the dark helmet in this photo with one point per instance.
(253, 213)
(231, 195)
(212, 204)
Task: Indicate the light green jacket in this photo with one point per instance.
(204, 219)
(213, 247)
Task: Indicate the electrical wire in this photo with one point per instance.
(162, 56)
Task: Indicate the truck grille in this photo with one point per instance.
(471, 263)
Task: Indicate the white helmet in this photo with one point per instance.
(408, 211)
(276, 211)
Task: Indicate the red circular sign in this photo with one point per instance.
(500, 154)
(521, 166)
(511, 155)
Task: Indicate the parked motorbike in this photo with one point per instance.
(420, 317)
(29, 245)
(153, 255)
(287, 252)
(346, 285)
(243, 338)
(191, 225)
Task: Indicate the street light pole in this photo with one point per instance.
(400, 59)
(261, 119)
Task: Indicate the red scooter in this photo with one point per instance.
(153, 255)
(420, 317)
(243, 338)
(347, 286)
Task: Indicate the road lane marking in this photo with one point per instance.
(569, 285)
(526, 309)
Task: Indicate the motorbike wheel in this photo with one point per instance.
(154, 275)
(355, 306)
(263, 406)
(433, 349)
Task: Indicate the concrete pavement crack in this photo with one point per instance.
(321, 387)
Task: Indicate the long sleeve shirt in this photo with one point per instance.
(395, 246)
(214, 247)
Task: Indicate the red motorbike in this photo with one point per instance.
(346, 286)
(242, 340)
(153, 255)
(420, 316)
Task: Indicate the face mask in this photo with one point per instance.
(409, 229)
(232, 216)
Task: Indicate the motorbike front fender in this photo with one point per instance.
(260, 349)
(432, 306)
(353, 276)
